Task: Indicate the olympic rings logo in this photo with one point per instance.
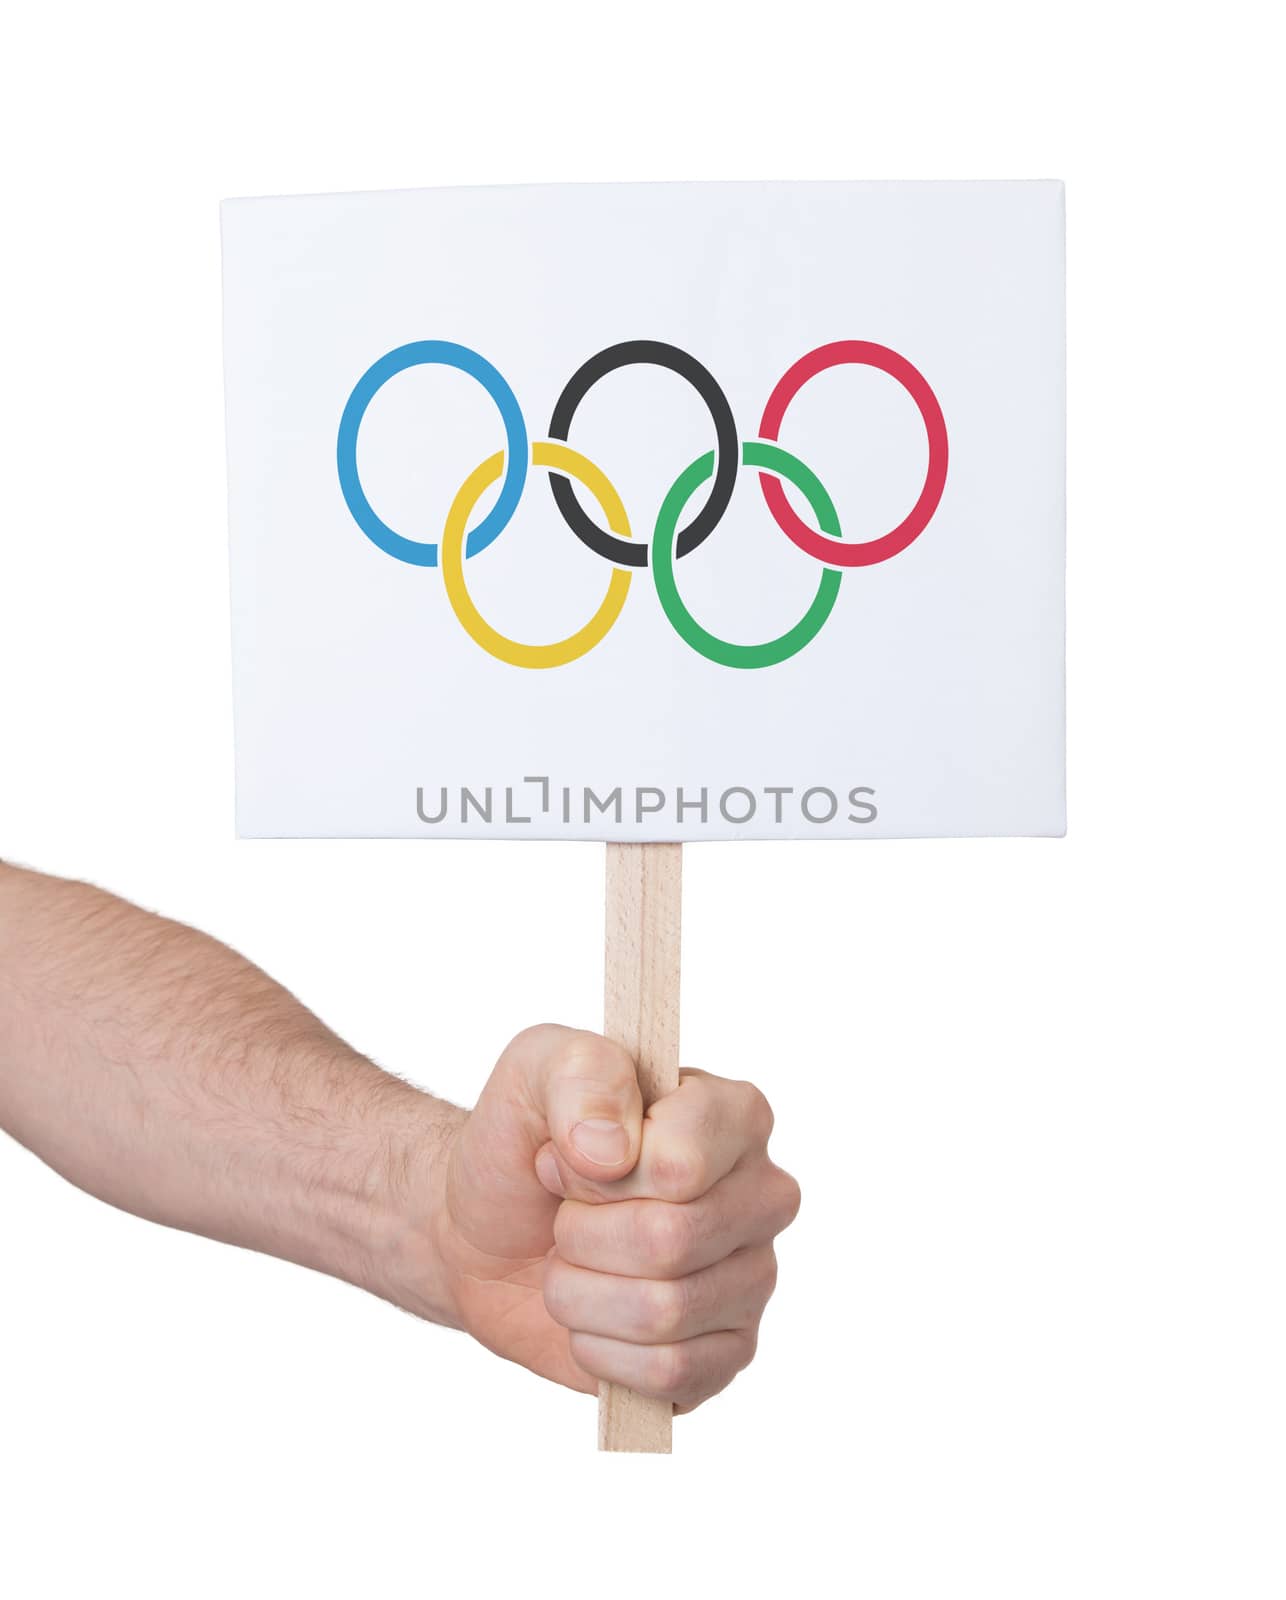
(612, 538)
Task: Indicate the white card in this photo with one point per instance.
(831, 418)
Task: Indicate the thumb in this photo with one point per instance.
(588, 1091)
(558, 1099)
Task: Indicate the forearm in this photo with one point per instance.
(162, 1072)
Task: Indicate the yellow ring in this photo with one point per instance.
(544, 453)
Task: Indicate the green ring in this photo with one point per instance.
(754, 453)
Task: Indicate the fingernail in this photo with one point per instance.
(603, 1142)
(547, 1171)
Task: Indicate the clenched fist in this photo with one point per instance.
(590, 1240)
(556, 1222)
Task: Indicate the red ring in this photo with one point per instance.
(857, 352)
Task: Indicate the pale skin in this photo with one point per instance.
(555, 1222)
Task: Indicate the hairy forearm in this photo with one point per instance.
(162, 1072)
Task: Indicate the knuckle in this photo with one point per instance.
(590, 1058)
(669, 1369)
(786, 1199)
(665, 1236)
(757, 1112)
(537, 1037)
(680, 1170)
(664, 1308)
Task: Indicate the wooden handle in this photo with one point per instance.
(641, 1011)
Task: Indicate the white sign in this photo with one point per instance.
(675, 511)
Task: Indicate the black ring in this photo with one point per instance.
(628, 552)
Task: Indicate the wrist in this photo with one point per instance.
(404, 1211)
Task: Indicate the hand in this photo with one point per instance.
(587, 1240)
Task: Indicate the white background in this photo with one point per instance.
(1028, 1339)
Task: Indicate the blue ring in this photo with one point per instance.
(431, 352)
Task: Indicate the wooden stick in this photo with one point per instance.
(641, 1011)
